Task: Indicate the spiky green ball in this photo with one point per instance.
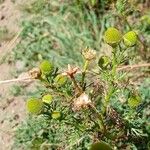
(112, 36)
(100, 146)
(134, 101)
(47, 98)
(130, 38)
(56, 115)
(46, 67)
(34, 106)
(60, 80)
(103, 62)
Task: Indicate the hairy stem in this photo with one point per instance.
(76, 85)
(100, 117)
(84, 71)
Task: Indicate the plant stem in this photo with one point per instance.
(114, 65)
(100, 116)
(107, 98)
(84, 71)
(111, 87)
(76, 84)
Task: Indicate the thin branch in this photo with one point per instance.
(131, 67)
(16, 80)
(121, 68)
(100, 116)
(11, 44)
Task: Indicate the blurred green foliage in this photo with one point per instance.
(59, 32)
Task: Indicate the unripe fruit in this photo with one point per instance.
(36, 143)
(134, 101)
(112, 36)
(46, 67)
(130, 38)
(93, 2)
(56, 114)
(34, 106)
(146, 19)
(100, 146)
(60, 80)
(47, 98)
(103, 62)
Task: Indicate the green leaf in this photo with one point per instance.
(112, 36)
(34, 106)
(100, 146)
(47, 98)
(46, 67)
(130, 39)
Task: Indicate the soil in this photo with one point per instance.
(12, 109)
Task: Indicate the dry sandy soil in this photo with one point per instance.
(12, 109)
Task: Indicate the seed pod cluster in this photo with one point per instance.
(113, 37)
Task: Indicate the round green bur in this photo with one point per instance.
(130, 38)
(47, 98)
(34, 106)
(112, 36)
(46, 67)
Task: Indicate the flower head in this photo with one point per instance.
(82, 101)
(89, 54)
(70, 71)
(35, 73)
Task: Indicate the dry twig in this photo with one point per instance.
(127, 67)
(131, 67)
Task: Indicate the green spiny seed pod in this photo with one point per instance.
(112, 36)
(46, 67)
(47, 98)
(34, 106)
(100, 146)
(56, 115)
(60, 80)
(36, 143)
(130, 38)
(104, 62)
(146, 19)
(134, 100)
(93, 2)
